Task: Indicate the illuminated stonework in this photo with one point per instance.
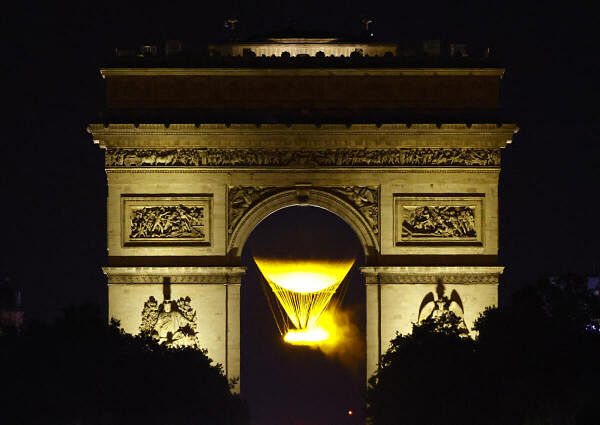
(434, 306)
(166, 220)
(444, 222)
(184, 196)
(409, 157)
(172, 322)
(176, 221)
(364, 198)
(430, 219)
(294, 46)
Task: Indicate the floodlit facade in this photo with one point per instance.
(200, 149)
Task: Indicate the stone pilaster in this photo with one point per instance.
(398, 297)
(206, 299)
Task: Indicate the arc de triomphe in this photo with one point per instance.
(197, 156)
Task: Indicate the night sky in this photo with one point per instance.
(54, 187)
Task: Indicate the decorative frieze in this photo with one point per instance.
(211, 157)
(365, 199)
(166, 220)
(435, 219)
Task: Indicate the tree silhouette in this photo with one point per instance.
(79, 370)
(532, 362)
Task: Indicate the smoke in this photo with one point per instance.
(345, 342)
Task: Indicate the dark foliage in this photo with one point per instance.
(79, 370)
(533, 362)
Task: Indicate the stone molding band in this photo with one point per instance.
(201, 275)
(432, 275)
(373, 275)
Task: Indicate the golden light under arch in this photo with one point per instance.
(304, 276)
(304, 289)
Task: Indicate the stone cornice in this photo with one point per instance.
(302, 136)
(275, 72)
(216, 275)
(432, 275)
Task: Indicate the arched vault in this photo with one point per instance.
(303, 197)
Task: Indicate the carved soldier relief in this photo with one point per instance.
(166, 220)
(176, 221)
(344, 157)
(438, 219)
(172, 322)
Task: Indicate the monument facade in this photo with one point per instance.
(199, 151)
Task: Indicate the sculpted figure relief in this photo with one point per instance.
(170, 322)
(177, 221)
(364, 198)
(210, 157)
(153, 157)
(241, 198)
(439, 222)
(433, 307)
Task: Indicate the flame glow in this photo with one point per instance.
(304, 289)
(306, 336)
(304, 276)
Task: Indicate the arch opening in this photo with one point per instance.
(280, 380)
(307, 197)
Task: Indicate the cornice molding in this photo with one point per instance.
(204, 275)
(222, 128)
(432, 275)
(325, 72)
(302, 136)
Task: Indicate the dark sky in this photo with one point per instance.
(52, 181)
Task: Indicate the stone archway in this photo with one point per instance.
(183, 196)
(222, 180)
(301, 231)
(305, 196)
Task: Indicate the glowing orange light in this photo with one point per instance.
(306, 336)
(350, 412)
(304, 289)
(304, 276)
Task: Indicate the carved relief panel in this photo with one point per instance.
(342, 157)
(365, 199)
(172, 322)
(166, 220)
(432, 219)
